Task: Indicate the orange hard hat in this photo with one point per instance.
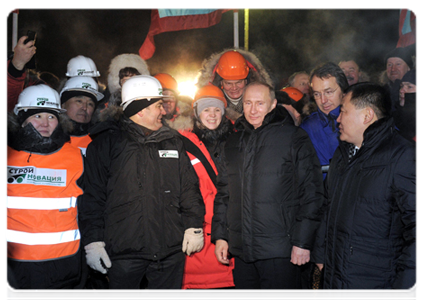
(167, 81)
(209, 91)
(293, 93)
(232, 66)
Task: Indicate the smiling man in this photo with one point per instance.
(370, 226)
(269, 195)
(141, 207)
(328, 83)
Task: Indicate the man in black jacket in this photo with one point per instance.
(368, 238)
(141, 208)
(270, 192)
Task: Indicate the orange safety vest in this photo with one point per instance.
(81, 142)
(41, 204)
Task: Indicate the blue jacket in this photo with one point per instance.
(323, 132)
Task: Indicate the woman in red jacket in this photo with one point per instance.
(204, 144)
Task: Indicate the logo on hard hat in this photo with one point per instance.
(86, 85)
(41, 101)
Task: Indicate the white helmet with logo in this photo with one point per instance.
(39, 96)
(82, 85)
(141, 87)
(82, 66)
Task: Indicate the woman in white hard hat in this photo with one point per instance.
(43, 239)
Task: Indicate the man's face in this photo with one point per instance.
(327, 93)
(351, 71)
(234, 88)
(169, 101)
(301, 82)
(152, 116)
(45, 123)
(257, 104)
(405, 88)
(396, 68)
(79, 108)
(351, 122)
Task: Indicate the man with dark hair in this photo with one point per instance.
(368, 238)
(328, 83)
(269, 196)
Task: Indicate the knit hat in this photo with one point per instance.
(204, 103)
(410, 76)
(138, 105)
(402, 53)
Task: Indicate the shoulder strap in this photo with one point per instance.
(194, 150)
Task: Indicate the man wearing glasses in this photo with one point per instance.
(328, 84)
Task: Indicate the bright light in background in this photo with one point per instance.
(187, 87)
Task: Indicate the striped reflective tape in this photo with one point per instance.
(195, 161)
(40, 203)
(50, 238)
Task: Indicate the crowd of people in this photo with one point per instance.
(132, 185)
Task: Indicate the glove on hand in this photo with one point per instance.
(193, 240)
(97, 257)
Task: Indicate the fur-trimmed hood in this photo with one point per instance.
(121, 61)
(208, 65)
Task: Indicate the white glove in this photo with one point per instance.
(97, 257)
(193, 240)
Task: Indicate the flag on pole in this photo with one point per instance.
(407, 28)
(13, 10)
(166, 20)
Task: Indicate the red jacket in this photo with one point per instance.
(202, 270)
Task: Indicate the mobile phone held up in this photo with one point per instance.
(32, 35)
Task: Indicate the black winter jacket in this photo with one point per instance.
(370, 230)
(270, 190)
(140, 192)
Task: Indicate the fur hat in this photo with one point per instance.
(121, 61)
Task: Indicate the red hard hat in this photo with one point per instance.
(232, 66)
(293, 93)
(167, 81)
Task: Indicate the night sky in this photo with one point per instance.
(286, 41)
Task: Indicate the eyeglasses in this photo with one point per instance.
(328, 93)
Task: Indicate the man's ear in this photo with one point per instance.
(274, 103)
(369, 115)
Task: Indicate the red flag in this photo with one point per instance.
(166, 20)
(13, 10)
(407, 28)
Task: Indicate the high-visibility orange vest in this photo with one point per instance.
(81, 142)
(41, 204)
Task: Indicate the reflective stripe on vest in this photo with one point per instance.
(40, 203)
(50, 238)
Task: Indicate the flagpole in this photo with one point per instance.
(236, 30)
(246, 28)
(14, 30)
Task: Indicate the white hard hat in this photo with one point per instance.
(38, 96)
(141, 87)
(82, 66)
(82, 85)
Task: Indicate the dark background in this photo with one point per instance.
(286, 41)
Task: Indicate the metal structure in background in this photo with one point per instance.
(246, 27)
(236, 30)
(15, 29)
